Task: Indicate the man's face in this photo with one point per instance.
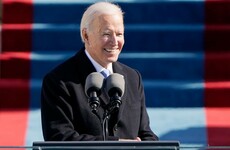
(105, 38)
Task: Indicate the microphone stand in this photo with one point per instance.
(94, 103)
(105, 125)
(112, 107)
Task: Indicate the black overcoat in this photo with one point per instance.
(65, 111)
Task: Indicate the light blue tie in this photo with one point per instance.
(105, 73)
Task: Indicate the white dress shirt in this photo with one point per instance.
(97, 66)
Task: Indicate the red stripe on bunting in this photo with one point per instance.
(217, 74)
(217, 71)
(17, 22)
(218, 126)
(16, 37)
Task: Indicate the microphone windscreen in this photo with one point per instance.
(94, 82)
(115, 83)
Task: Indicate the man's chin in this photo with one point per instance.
(112, 60)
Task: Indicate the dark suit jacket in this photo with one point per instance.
(66, 115)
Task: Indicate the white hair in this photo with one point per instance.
(98, 8)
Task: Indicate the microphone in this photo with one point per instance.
(93, 85)
(115, 87)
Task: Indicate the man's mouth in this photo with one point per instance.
(110, 50)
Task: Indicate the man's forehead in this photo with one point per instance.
(100, 22)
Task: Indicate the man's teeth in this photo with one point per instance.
(110, 50)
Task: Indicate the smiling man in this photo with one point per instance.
(66, 114)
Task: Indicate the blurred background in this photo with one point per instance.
(181, 48)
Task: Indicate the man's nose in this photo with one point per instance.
(114, 40)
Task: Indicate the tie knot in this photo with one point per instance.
(105, 73)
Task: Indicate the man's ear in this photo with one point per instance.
(85, 35)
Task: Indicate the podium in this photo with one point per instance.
(106, 145)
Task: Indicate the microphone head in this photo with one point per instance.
(115, 83)
(94, 83)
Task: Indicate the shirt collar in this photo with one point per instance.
(97, 66)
